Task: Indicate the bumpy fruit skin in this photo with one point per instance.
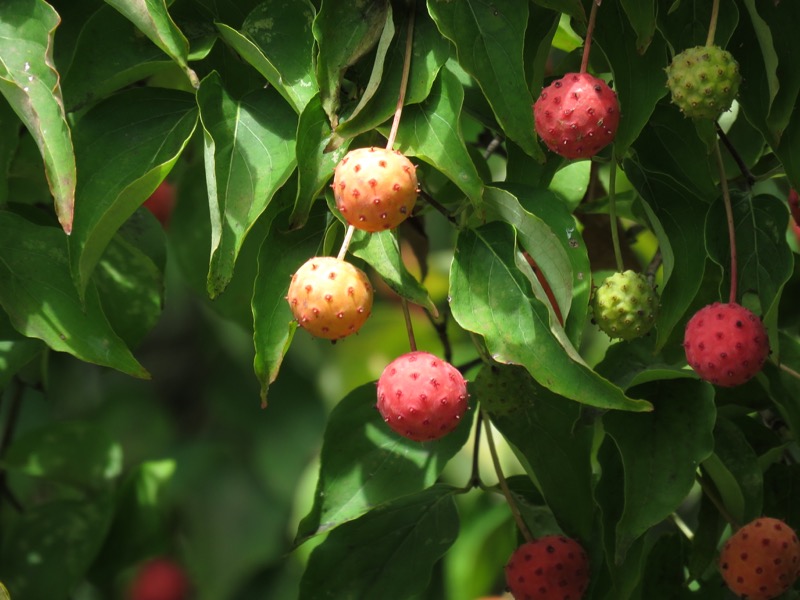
(159, 579)
(703, 81)
(761, 560)
(553, 567)
(330, 298)
(625, 305)
(421, 396)
(725, 344)
(375, 188)
(504, 389)
(577, 116)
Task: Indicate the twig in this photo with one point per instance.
(438, 206)
(749, 177)
(401, 97)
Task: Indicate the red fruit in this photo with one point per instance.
(159, 579)
(761, 560)
(330, 298)
(421, 396)
(551, 568)
(577, 115)
(161, 202)
(796, 230)
(725, 344)
(794, 205)
(375, 188)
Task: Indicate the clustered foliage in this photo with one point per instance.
(549, 278)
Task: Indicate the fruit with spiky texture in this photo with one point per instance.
(761, 560)
(329, 297)
(704, 81)
(375, 188)
(421, 396)
(553, 567)
(625, 305)
(159, 579)
(577, 116)
(504, 389)
(725, 344)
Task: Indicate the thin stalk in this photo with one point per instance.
(412, 342)
(348, 237)
(612, 211)
(475, 476)
(587, 46)
(712, 26)
(789, 370)
(501, 479)
(749, 177)
(401, 97)
(438, 206)
(681, 524)
(726, 198)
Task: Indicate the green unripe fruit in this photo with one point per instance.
(504, 389)
(703, 80)
(625, 305)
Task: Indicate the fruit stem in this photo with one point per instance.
(712, 26)
(412, 342)
(348, 237)
(726, 198)
(438, 206)
(612, 211)
(401, 97)
(501, 479)
(587, 46)
(681, 524)
(789, 370)
(749, 177)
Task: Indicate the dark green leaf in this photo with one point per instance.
(490, 39)
(345, 31)
(30, 83)
(38, 294)
(387, 553)
(364, 463)
(432, 132)
(250, 153)
(573, 8)
(71, 452)
(14, 355)
(128, 143)
(491, 297)
(274, 40)
(382, 252)
(633, 363)
(49, 547)
(642, 16)
(660, 452)
(153, 19)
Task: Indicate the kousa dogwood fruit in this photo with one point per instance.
(553, 567)
(703, 81)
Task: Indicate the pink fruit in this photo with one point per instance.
(159, 579)
(375, 188)
(330, 298)
(551, 568)
(725, 344)
(761, 560)
(577, 115)
(421, 396)
(794, 205)
(161, 202)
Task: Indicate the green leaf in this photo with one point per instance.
(40, 298)
(765, 261)
(152, 19)
(315, 162)
(432, 132)
(382, 251)
(390, 552)
(345, 31)
(274, 40)
(363, 463)
(633, 363)
(660, 452)
(573, 8)
(131, 282)
(429, 51)
(734, 469)
(72, 452)
(49, 547)
(551, 446)
(107, 33)
(14, 355)
(9, 145)
(642, 17)
(491, 297)
(249, 154)
(639, 78)
(128, 143)
(490, 41)
(281, 254)
(30, 83)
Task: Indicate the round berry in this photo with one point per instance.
(553, 567)
(703, 81)
(159, 579)
(625, 305)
